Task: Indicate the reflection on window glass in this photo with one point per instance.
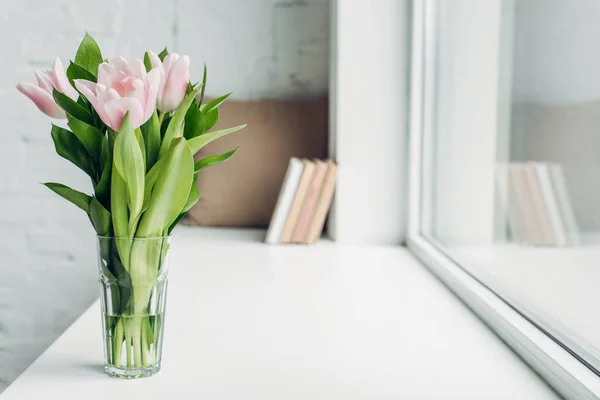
(512, 156)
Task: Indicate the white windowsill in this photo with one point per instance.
(556, 284)
(251, 321)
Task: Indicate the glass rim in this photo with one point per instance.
(134, 238)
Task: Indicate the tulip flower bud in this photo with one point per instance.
(174, 79)
(41, 94)
(122, 86)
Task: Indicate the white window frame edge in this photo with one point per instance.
(556, 365)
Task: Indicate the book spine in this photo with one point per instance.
(292, 218)
(564, 202)
(508, 200)
(551, 202)
(310, 202)
(323, 204)
(539, 207)
(523, 201)
(284, 202)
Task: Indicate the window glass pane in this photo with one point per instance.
(512, 155)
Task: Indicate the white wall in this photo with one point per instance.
(259, 48)
(556, 51)
(369, 123)
(556, 95)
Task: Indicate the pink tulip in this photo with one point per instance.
(41, 94)
(174, 79)
(122, 86)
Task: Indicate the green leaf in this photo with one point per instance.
(200, 141)
(151, 132)
(151, 178)
(118, 205)
(128, 160)
(170, 192)
(70, 148)
(75, 71)
(211, 119)
(206, 108)
(81, 200)
(163, 54)
(193, 198)
(174, 224)
(147, 62)
(112, 137)
(90, 136)
(100, 217)
(212, 160)
(104, 150)
(72, 108)
(194, 122)
(88, 55)
(120, 216)
(203, 86)
(118, 270)
(140, 138)
(175, 128)
(102, 190)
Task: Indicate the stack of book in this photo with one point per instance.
(303, 202)
(537, 204)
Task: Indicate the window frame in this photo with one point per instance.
(555, 363)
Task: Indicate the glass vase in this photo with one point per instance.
(133, 287)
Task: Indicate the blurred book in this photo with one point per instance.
(304, 202)
(537, 204)
(551, 202)
(294, 214)
(567, 214)
(285, 200)
(310, 201)
(508, 191)
(323, 204)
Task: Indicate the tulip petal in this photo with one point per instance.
(152, 87)
(156, 63)
(42, 99)
(105, 96)
(136, 68)
(61, 80)
(43, 80)
(116, 111)
(108, 74)
(138, 92)
(86, 88)
(169, 61)
(97, 95)
(119, 63)
(176, 84)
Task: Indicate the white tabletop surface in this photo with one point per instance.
(252, 321)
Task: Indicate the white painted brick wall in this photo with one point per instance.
(259, 48)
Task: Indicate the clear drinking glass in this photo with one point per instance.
(133, 287)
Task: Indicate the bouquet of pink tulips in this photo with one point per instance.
(133, 128)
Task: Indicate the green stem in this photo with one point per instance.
(136, 340)
(147, 358)
(118, 343)
(161, 117)
(128, 342)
